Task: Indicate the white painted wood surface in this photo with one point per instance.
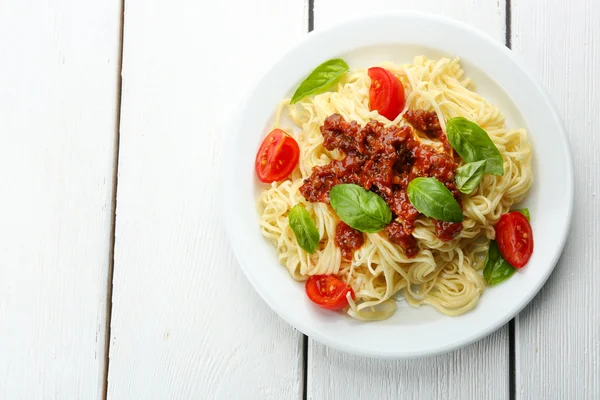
(479, 371)
(558, 334)
(462, 374)
(488, 16)
(58, 122)
(186, 323)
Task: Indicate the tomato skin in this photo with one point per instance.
(386, 94)
(328, 292)
(277, 157)
(515, 238)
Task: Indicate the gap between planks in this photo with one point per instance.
(512, 360)
(311, 26)
(113, 221)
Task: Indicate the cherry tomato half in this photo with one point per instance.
(277, 157)
(386, 94)
(328, 292)
(515, 238)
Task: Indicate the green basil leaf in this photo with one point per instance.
(359, 208)
(322, 77)
(525, 212)
(472, 143)
(468, 176)
(431, 198)
(497, 269)
(304, 228)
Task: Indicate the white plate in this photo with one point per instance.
(499, 77)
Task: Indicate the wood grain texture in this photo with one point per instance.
(59, 84)
(478, 371)
(186, 322)
(488, 16)
(558, 335)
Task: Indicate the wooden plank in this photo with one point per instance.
(186, 323)
(477, 371)
(488, 16)
(59, 82)
(558, 335)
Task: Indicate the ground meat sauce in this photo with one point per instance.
(425, 121)
(348, 239)
(384, 160)
(397, 234)
(447, 230)
(428, 123)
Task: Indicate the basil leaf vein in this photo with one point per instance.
(468, 176)
(525, 212)
(431, 198)
(322, 77)
(304, 228)
(497, 269)
(361, 209)
(472, 143)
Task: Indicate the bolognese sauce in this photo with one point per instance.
(384, 160)
(348, 239)
(428, 123)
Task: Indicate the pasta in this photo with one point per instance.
(445, 275)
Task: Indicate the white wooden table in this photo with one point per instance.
(116, 279)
